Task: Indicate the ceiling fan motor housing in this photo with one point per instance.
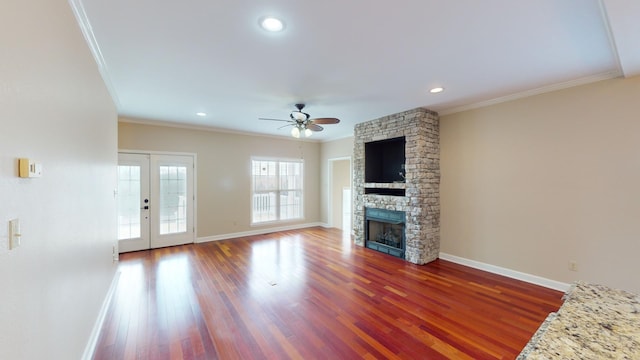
(299, 116)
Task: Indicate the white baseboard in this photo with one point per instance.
(90, 349)
(533, 279)
(257, 232)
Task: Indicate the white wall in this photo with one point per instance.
(54, 108)
(532, 184)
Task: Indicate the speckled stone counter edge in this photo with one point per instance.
(594, 301)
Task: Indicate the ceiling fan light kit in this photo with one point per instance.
(296, 131)
(302, 124)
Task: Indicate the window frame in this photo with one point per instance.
(276, 190)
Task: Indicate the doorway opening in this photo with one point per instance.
(340, 200)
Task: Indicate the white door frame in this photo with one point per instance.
(330, 164)
(195, 178)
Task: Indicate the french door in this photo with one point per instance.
(155, 201)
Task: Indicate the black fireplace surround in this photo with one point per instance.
(385, 231)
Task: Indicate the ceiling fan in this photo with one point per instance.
(302, 124)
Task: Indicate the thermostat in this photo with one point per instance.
(29, 169)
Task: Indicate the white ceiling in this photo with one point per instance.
(356, 60)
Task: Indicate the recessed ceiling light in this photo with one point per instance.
(271, 24)
(436, 90)
(201, 114)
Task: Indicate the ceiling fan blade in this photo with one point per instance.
(284, 126)
(274, 119)
(325, 121)
(314, 127)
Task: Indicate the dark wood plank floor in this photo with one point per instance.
(311, 294)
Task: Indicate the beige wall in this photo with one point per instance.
(224, 169)
(54, 108)
(532, 184)
(337, 149)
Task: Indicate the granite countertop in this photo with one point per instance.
(594, 322)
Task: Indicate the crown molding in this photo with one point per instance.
(541, 90)
(133, 120)
(87, 31)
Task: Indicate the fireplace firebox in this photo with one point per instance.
(385, 231)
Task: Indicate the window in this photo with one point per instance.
(276, 190)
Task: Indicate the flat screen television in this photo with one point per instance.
(384, 160)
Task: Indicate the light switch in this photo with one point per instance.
(14, 233)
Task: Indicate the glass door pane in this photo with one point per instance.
(173, 199)
(128, 202)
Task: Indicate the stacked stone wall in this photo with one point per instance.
(421, 202)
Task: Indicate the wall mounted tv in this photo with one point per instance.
(384, 160)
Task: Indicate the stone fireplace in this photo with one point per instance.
(387, 182)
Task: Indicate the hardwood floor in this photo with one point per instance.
(312, 294)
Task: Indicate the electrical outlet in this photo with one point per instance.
(573, 266)
(114, 254)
